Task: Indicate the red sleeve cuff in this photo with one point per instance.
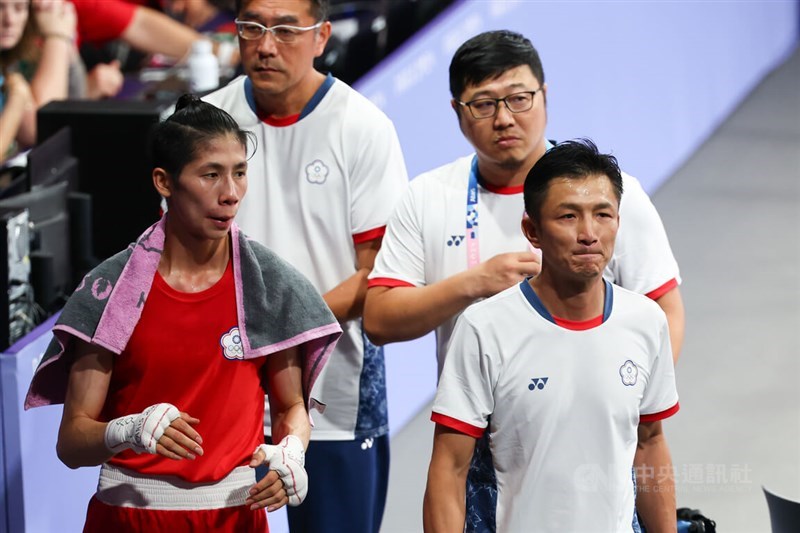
(661, 415)
(388, 282)
(458, 425)
(662, 290)
(369, 235)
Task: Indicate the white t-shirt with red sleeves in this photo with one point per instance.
(425, 238)
(561, 402)
(319, 184)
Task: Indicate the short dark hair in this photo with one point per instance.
(490, 54)
(176, 141)
(575, 159)
(319, 8)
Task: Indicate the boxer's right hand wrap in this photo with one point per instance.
(140, 432)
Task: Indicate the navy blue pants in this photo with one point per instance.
(347, 484)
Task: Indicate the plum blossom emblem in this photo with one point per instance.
(629, 372)
(317, 172)
(231, 343)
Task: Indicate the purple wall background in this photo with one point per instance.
(40, 493)
(649, 81)
(646, 80)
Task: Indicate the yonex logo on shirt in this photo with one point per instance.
(537, 383)
(455, 240)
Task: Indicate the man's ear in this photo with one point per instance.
(456, 107)
(530, 230)
(321, 38)
(162, 182)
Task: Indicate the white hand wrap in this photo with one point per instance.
(288, 459)
(140, 432)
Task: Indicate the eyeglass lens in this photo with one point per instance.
(487, 107)
(251, 31)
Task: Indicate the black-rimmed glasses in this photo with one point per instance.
(487, 107)
(283, 33)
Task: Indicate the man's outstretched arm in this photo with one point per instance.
(393, 314)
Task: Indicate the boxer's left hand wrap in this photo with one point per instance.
(287, 458)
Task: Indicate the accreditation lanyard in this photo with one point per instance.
(473, 250)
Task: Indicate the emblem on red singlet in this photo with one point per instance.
(231, 343)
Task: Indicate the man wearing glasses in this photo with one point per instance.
(455, 238)
(326, 174)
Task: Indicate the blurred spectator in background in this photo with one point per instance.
(143, 29)
(17, 107)
(103, 21)
(205, 16)
(38, 42)
(17, 103)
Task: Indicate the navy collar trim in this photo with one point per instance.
(309, 107)
(538, 306)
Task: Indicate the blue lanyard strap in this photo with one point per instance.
(473, 251)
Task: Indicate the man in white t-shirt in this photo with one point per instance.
(567, 374)
(454, 238)
(326, 173)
